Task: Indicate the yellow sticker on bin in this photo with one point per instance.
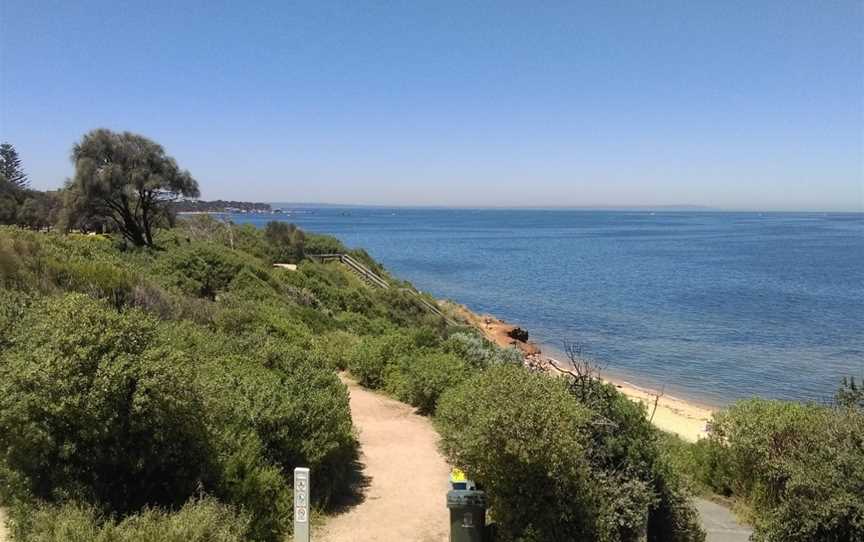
(456, 475)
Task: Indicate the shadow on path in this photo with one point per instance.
(358, 486)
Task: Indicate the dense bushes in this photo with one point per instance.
(478, 352)
(799, 468)
(192, 368)
(89, 410)
(286, 241)
(430, 374)
(143, 389)
(521, 436)
(556, 468)
(204, 520)
(417, 365)
(114, 410)
(334, 349)
(203, 269)
(370, 359)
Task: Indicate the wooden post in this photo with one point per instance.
(301, 504)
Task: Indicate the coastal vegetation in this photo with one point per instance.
(127, 179)
(795, 470)
(560, 466)
(160, 381)
(145, 385)
(20, 205)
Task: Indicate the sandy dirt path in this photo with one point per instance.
(4, 534)
(404, 479)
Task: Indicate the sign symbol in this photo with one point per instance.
(301, 504)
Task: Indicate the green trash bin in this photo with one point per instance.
(467, 515)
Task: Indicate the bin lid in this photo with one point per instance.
(458, 480)
(465, 498)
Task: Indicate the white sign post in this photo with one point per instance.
(301, 504)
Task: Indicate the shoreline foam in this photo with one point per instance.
(682, 417)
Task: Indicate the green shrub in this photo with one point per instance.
(478, 351)
(13, 305)
(521, 436)
(363, 325)
(428, 375)
(697, 462)
(37, 262)
(203, 269)
(253, 483)
(88, 410)
(559, 467)
(322, 244)
(624, 441)
(223, 383)
(850, 394)
(334, 349)
(204, 520)
(271, 409)
(98, 279)
(285, 240)
(800, 468)
(299, 412)
(252, 286)
(370, 358)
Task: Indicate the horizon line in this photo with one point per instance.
(670, 207)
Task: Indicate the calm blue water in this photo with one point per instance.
(716, 306)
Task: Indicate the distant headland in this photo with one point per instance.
(221, 206)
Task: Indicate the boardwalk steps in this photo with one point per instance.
(373, 279)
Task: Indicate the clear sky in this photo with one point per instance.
(750, 104)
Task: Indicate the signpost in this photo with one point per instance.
(301, 504)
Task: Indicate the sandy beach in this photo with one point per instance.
(684, 418)
(673, 415)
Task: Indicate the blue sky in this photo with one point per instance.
(744, 105)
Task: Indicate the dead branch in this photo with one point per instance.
(657, 397)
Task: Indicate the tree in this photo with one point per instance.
(8, 202)
(129, 180)
(79, 214)
(8, 209)
(38, 210)
(10, 167)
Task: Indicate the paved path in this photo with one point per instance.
(403, 481)
(720, 524)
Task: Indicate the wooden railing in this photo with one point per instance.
(367, 274)
(376, 280)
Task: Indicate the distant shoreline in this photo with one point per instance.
(288, 206)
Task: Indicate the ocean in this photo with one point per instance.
(710, 306)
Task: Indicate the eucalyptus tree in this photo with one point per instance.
(129, 180)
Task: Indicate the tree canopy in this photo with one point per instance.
(10, 167)
(128, 179)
